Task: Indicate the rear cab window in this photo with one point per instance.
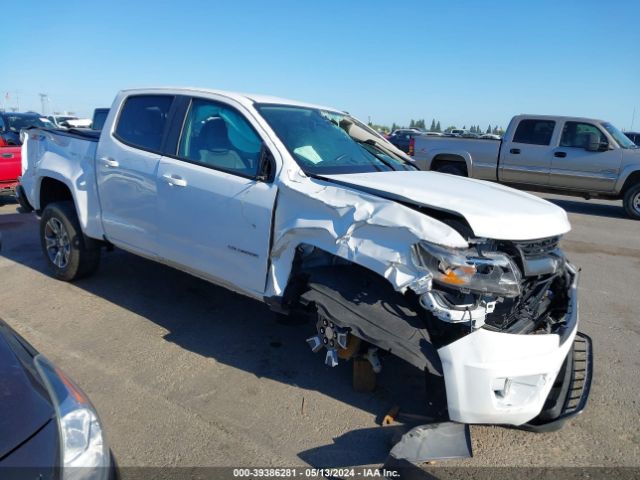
(534, 132)
(142, 121)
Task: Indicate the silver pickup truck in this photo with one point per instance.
(569, 155)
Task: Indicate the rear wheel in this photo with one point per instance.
(631, 202)
(69, 253)
(452, 169)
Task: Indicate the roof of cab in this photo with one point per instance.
(557, 117)
(244, 98)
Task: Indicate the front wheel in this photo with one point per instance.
(631, 202)
(69, 254)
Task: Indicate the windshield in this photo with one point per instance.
(18, 122)
(320, 143)
(620, 138)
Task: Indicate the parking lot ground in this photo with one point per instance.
(184, 373)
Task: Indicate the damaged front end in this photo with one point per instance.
(511, 287)
(518, 300)
(496, 320)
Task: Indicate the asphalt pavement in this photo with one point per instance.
(184, 373)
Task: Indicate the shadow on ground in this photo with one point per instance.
(237, 331)
(612, 210)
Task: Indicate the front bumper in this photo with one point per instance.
(501, 378)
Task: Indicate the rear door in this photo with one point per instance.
(525, 159)
(576, 168)
(127, 164)
(214, 215)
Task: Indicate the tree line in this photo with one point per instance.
(436, 127)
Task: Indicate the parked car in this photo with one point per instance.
(78, 123)
(570, 155)
(634, 137)
(308, 210)
(10, 165)
(403, 139)
(48, 426)
(458, 132)
(99, 117)
(490, 136)
(60, 120)
(11, 124)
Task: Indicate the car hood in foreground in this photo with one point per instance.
(492, 210)
(24, 402)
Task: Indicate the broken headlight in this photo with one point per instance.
(469, 269)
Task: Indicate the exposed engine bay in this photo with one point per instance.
(503, 286)
(514, 287)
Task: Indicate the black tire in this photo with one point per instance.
(631, 202)
(452, 169)
(70, 255)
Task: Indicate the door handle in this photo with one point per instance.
(109, 162)
(174, 180)
(560, 154)
(515, 151)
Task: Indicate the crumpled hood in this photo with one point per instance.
(492, 210)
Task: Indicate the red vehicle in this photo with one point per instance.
(10, 167)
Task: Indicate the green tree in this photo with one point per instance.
(412, 123)
(432, 128)
(438, 129)
(488, 129)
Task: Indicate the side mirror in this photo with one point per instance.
(595, 145)
(593, 142)
(266, 167)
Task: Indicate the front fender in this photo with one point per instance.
(370, 231)
(626, 172)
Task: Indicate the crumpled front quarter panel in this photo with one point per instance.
(370, 231)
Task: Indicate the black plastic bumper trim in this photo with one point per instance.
(576, 393)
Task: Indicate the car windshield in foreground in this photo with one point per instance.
(320, 143)
(18, 122)
(620, 138)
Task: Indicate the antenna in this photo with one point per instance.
(633, 118)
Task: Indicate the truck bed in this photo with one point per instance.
(68, 156)
(485, 153)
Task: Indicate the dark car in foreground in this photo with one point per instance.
(48, 427)
(11, 123)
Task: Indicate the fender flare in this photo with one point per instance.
(464, 156)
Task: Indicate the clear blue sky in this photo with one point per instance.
(463, 62)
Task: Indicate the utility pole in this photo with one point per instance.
(44, 98)
(633, 118)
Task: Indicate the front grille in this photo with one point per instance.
(538, 247)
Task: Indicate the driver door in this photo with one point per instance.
(576, 168)
(214, 214)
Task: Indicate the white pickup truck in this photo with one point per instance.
(305, 208)
(569, 155)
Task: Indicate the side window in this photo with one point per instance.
(576, 134)
(142, 121)
(534, 132)
(1, 124)
(218, 136)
